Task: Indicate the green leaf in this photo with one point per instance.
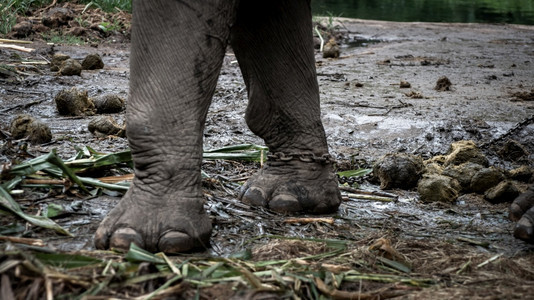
(395, 264)
(67, 261)
(7, 202)
(136, 254)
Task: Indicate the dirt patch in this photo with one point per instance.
(464, 249)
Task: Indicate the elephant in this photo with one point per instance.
(177, 50)
(522, 212)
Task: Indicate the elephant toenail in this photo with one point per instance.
(515, 212)
(524, 230)
(123, 237)
(255, 196)
(177, 242)
(285, 203)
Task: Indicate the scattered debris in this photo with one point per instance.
(26, 126)
(74, 103)
(443, 84)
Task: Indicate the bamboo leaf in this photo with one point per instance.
(67, 261)
(395, 264)
(7, 202)
(136, 254)
(355, 173)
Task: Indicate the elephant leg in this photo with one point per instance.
(176, 55)
(272, 41)
(522, 211)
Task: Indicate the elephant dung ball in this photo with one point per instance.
(22, 29)
(484, 179)
(25, 126)
(438, 188)
(505, 191)
(57, 60)
(465, 151)
(398, 170)
(57, 16)
(523, 173)
(74, 103)
(464, 173)
(109, 104)
(104, 126)
(70, 67)
(92, 62)
(331, 49)
(443, 84)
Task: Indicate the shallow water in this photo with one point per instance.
(461, 11)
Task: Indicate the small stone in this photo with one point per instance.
(331, 49)
(104, 126)
(25, 126)
(443, 84)
(438, 188)
(398, 170)
(505, 191)
(74, 103)
(109, 104)
(70, 67)
(485, 179)
(92, 62)
(465, 151)
(57, 60)
(405, 84)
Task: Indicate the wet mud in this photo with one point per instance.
(367, 114)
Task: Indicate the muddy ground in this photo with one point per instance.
(366, 114)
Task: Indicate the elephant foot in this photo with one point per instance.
(164, 223)
(522, 211)
(291, 185)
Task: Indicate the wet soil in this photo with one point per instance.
(366, 114)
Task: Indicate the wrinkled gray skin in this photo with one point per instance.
(177, 52)
(522, 211)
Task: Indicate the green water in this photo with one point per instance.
(463, 11)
